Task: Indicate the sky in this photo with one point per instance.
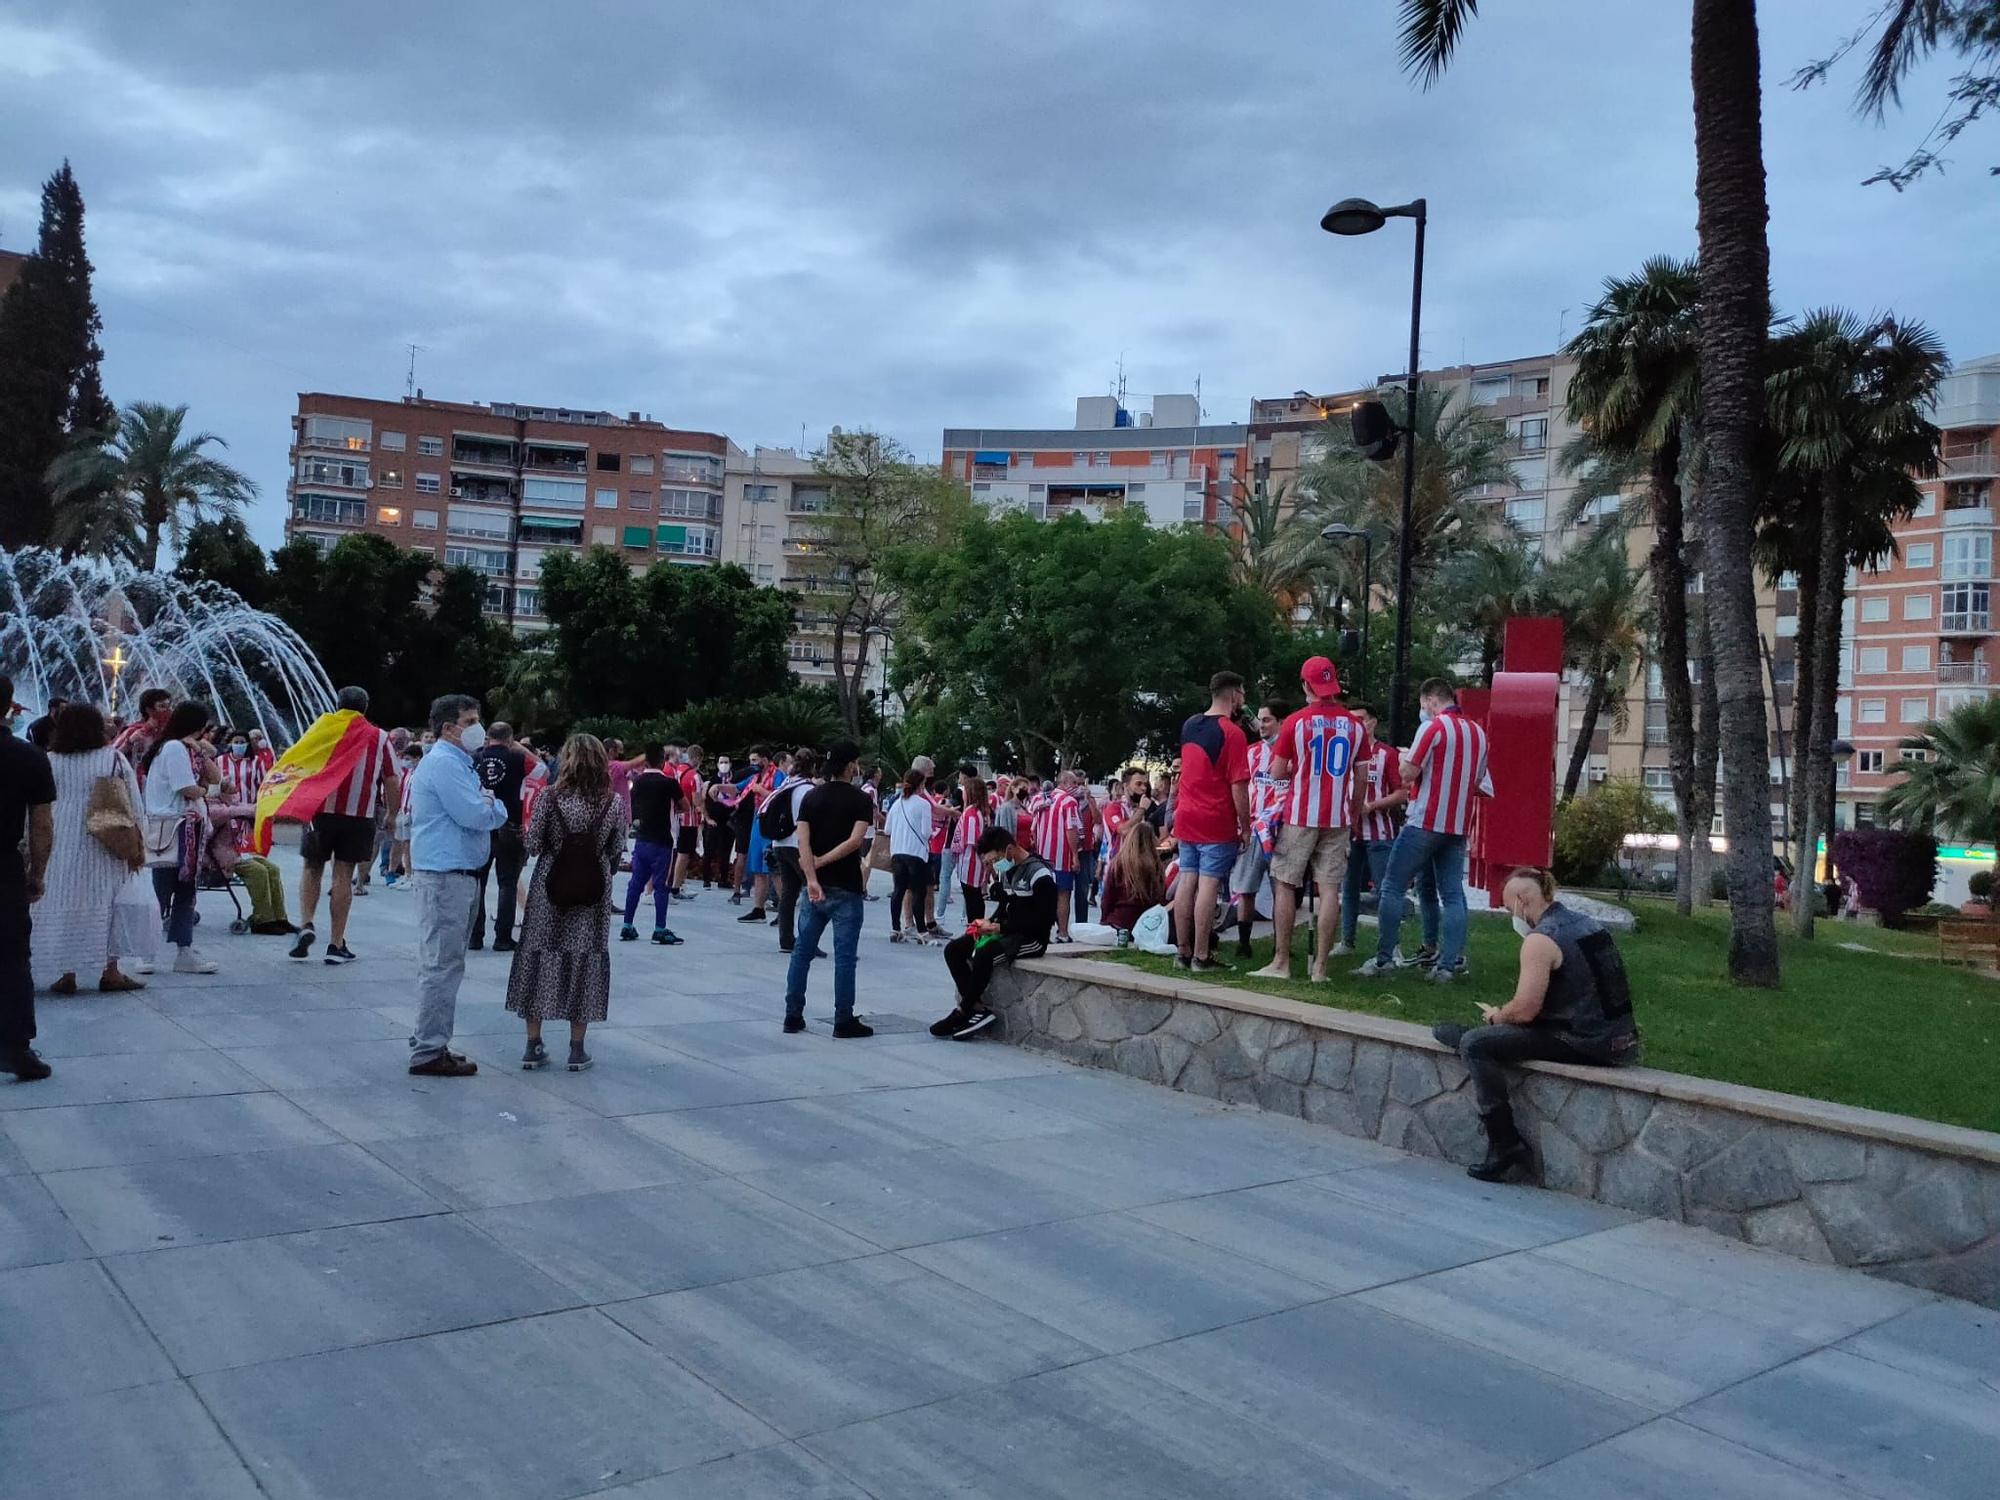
(770, 217)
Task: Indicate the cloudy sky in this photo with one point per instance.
(768, 215)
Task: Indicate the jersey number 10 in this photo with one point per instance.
(1329, 754)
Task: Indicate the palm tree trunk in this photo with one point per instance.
(1733, 215)
(1707, 751)
(1804, 647)
(1816, 748)
(1579, 755)
(149, 548)
(1668, 568)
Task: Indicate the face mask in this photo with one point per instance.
(1002, 866)
(238, 747)
(722, 767)
(471, 737)
(1521, 926)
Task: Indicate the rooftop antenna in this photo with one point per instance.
(802, 440)
(1121, 379)
(1562, 323)
(1198, 412)
(410, 380)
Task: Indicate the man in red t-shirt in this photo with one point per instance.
(1211, 818)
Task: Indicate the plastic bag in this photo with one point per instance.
(1093, 934)
(1153, 932)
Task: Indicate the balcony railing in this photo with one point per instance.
(1965, 622)
(495, 458)
(1969, 466)
(1968, 515)
(338, 445)
(554, 463)
(681, 473)
(1961, 673)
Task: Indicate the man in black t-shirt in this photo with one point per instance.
(501, 766)
(833, 822)
(656, 799)
(27, 794)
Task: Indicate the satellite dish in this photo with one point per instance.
(1375, 431)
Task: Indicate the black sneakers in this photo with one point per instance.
(536, 1056)
(949, 1025)
(304, 946)
(755, 914)
(975, 1023)
(339, 953)
(794, 1025)
(503, 945)
(579, 1060)
(666, 937)
(853, 1026)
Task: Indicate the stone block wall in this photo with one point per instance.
(1908, 1200)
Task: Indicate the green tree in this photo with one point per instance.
(1275, 541)
(1073, 642)
(1591, 830)
(1732, 212)
(1486, 585)
(223, 552)
(878, 502)
(154, 471)
(51, 390)
(1953, 787)
(1597, 594)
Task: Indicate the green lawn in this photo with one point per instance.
(1885, 1028)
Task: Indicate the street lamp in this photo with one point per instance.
(1358, 216)
(1837, 755)
(1341, 532)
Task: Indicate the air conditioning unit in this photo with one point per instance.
(458, 492)
(1595, 773)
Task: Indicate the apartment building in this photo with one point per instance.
(1165, 461)
(496, 487)
(1920, 626)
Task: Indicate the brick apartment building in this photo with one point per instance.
(1921, 626)
(494, 487)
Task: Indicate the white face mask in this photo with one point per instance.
(471, 737)
(1521, 925)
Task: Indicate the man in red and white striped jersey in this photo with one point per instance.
(1381, 816)
(1058, 826)
(1323, 749)
(1445, 769)
(343, 830)
(1267, 816)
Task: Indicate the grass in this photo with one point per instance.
(1866, 1016)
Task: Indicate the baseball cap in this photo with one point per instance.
(1318, 675)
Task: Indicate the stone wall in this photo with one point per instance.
(1895, 1196)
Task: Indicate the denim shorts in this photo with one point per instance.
(1208, 859)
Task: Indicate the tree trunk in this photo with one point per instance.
(1804, 645)
(1668, 568)
(1579, 755)
(149, 552)
(1707, 751)
(1735, 259)
(1816, 744)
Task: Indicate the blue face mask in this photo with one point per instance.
(1002, 866)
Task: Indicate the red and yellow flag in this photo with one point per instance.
(319, 761)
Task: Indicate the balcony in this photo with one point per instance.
(1948, 699)
(1965, 622)
(1974, 465)
(342, 476)
(555, 460)
(1968, 515)
(1961, 673)
(338, 444)
(491, 455)
(473, 487)
(677, 471)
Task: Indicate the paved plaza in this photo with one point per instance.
(242, 1252)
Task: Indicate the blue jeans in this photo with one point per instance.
(176, 897)
(840, 910)
(654, 862)
(1418, 853)
(1086, 882)
(1373, 858)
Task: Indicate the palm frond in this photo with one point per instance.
(1430, 34)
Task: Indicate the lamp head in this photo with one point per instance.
(1353, 216)
(1339, 531)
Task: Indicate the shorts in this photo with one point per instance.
(1247, 878)
(688, 841)
(1212, 860)
(339, 837)
(937, 867)
(1065, 879)
(1323, 849)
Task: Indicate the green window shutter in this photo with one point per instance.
(638, 536)
(674, 537)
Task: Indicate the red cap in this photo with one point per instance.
(1320, 678)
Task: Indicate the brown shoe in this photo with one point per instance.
(112, 984)
(64, 986)
(446, 1065)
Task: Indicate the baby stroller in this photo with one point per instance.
(218, 862)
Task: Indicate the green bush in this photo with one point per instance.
(1591, 830)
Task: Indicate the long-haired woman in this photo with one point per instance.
(76, 921)
(1135, 883)
(176, 827)
(972, 823)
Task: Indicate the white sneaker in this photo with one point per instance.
(138, 966)
(1375, 968)
(1342, 950)
(190, 961)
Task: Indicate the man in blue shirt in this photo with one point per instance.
(452, 818)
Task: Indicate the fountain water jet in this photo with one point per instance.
(99, 632)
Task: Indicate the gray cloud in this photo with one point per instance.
(905, 214)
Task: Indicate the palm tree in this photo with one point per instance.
(1847, 413)
(1954, 786)
(1459, 451)
(1275, 541)
(1483, 587)
(1735, 279)
(1596, 591)
(116, 492)
(1636, 392)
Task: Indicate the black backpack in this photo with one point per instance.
(775, 820)
(576, 871)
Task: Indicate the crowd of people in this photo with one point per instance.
(115, 829)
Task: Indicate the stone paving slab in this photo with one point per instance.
(246, 1253)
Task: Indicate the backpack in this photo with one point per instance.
(778, 817)
(576, 872)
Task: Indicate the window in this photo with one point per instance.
(1916, 606)
(389, 479)
(319, 469)
(427, 484)
(1916, 658)
(1656, 723)
(1918, 555)
(980, 489)
(764, 573)
(567, 493)
(1530, 473)
(1874, 710)
(759, 494)
(488, 560)
(691, 503)
(388, 515)
(607, 499)
(607, 463)
(1966, 494)
(688, 541)
(604, 536)
(1875, 607)
(1526, 513)
(1659, 779)
(338, 508)
(1968, 556)
(424, 520)
(551, 531)
(480, 525)
(1602, 508)
(691, 468)
(1080, 460)
(392, 441)
(1873, 659)
(1913, 710)
(337, 432)
(1192, 508)
(1534, 434)
(1490, 388)
(1784, 673)
(638, 536)
(527, 601)
(1910, 754)
(1926, 506)
(1788, 583)
(1787, 626)
(1963, 606)
(809, 501)
(1868, 762)
(641, 463)
(431, 447)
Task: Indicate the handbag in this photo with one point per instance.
(111, 819)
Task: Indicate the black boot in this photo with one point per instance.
(1505, 1150)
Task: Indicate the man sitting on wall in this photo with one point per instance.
(1024, 892)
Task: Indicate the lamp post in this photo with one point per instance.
(1353, 216)
(1341, 532)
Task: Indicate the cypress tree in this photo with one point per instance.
(51, 388)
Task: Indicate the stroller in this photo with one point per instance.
(218, 861)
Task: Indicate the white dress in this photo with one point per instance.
(77, 923)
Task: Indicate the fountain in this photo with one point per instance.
(101, 632)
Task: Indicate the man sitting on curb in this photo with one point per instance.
(1024, 893)
(1572, 1004)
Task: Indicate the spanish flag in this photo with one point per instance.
(321, 759)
